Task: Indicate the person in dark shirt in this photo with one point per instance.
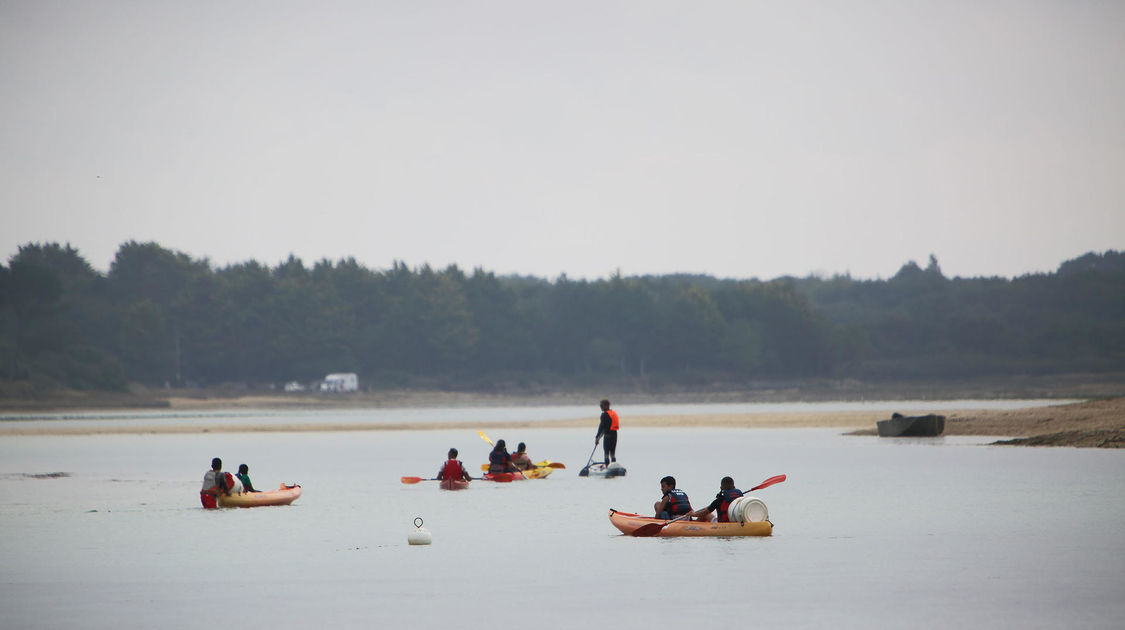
(607, 428)
(727, 494)
(244, 477)
(674, 501)
(499, 461)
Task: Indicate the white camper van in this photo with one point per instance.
(346, 382)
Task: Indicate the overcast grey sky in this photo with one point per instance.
(738, 139)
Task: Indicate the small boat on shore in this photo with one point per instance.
(627, 523)
(284, 495)
(931, 425)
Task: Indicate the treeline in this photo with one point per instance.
(161, 317)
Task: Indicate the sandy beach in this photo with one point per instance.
(1095, 423)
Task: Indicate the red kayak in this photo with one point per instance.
(454, 484)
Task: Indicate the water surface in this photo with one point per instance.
(869, 532)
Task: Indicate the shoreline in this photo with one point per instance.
(1088, 424)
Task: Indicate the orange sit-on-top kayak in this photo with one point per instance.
(284, 495)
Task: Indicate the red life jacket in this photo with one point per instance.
(726, 497)
(452, 470)
(614, 420)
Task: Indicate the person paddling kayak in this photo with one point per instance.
(453, 468)
(607, 426)
(674, 501)
(520, 458)
(727, 494)
(499, 461)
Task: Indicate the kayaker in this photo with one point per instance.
(727, 494)
(244, 477)
(674, 501)
(520, 458)
(453, 468)
(499, 461)
(608, 427)
(216, 482)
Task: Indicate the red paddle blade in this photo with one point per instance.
(768, 482)
(557, 465)
(502, 477)
(411, 479)
(651, 529)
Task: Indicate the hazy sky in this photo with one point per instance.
(738, 139)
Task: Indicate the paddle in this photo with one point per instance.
(485, 438)
(585, 472)
(654, 529)
(413, 480)
(549, 464)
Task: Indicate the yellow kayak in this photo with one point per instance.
(538, 472)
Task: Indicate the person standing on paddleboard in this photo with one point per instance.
(608, 428)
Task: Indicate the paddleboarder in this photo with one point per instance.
(453, 468)
(727, 494)
(607, 427)
(674, 501)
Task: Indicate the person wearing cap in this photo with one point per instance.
(727, 494)
(520, 458)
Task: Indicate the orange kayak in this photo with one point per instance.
(628, 523)
(282, 496)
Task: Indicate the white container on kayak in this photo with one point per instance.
(420, 535)
(748, 509)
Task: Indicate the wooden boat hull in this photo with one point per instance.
(627, 523)
(931, 425)
(282, 496)
(454, 484)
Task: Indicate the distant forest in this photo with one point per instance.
(161, 317)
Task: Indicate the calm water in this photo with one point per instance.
(943, 533)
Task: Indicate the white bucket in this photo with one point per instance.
(734, 510)
(752, 510)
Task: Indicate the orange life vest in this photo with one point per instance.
(614, 420)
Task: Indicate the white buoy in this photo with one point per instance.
(420, 535)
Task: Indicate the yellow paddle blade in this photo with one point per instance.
(485, 438)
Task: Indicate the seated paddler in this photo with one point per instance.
(674, 501)
(727, 494)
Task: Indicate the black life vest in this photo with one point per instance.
(726, 497)
(678, 503)
(498, 461)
